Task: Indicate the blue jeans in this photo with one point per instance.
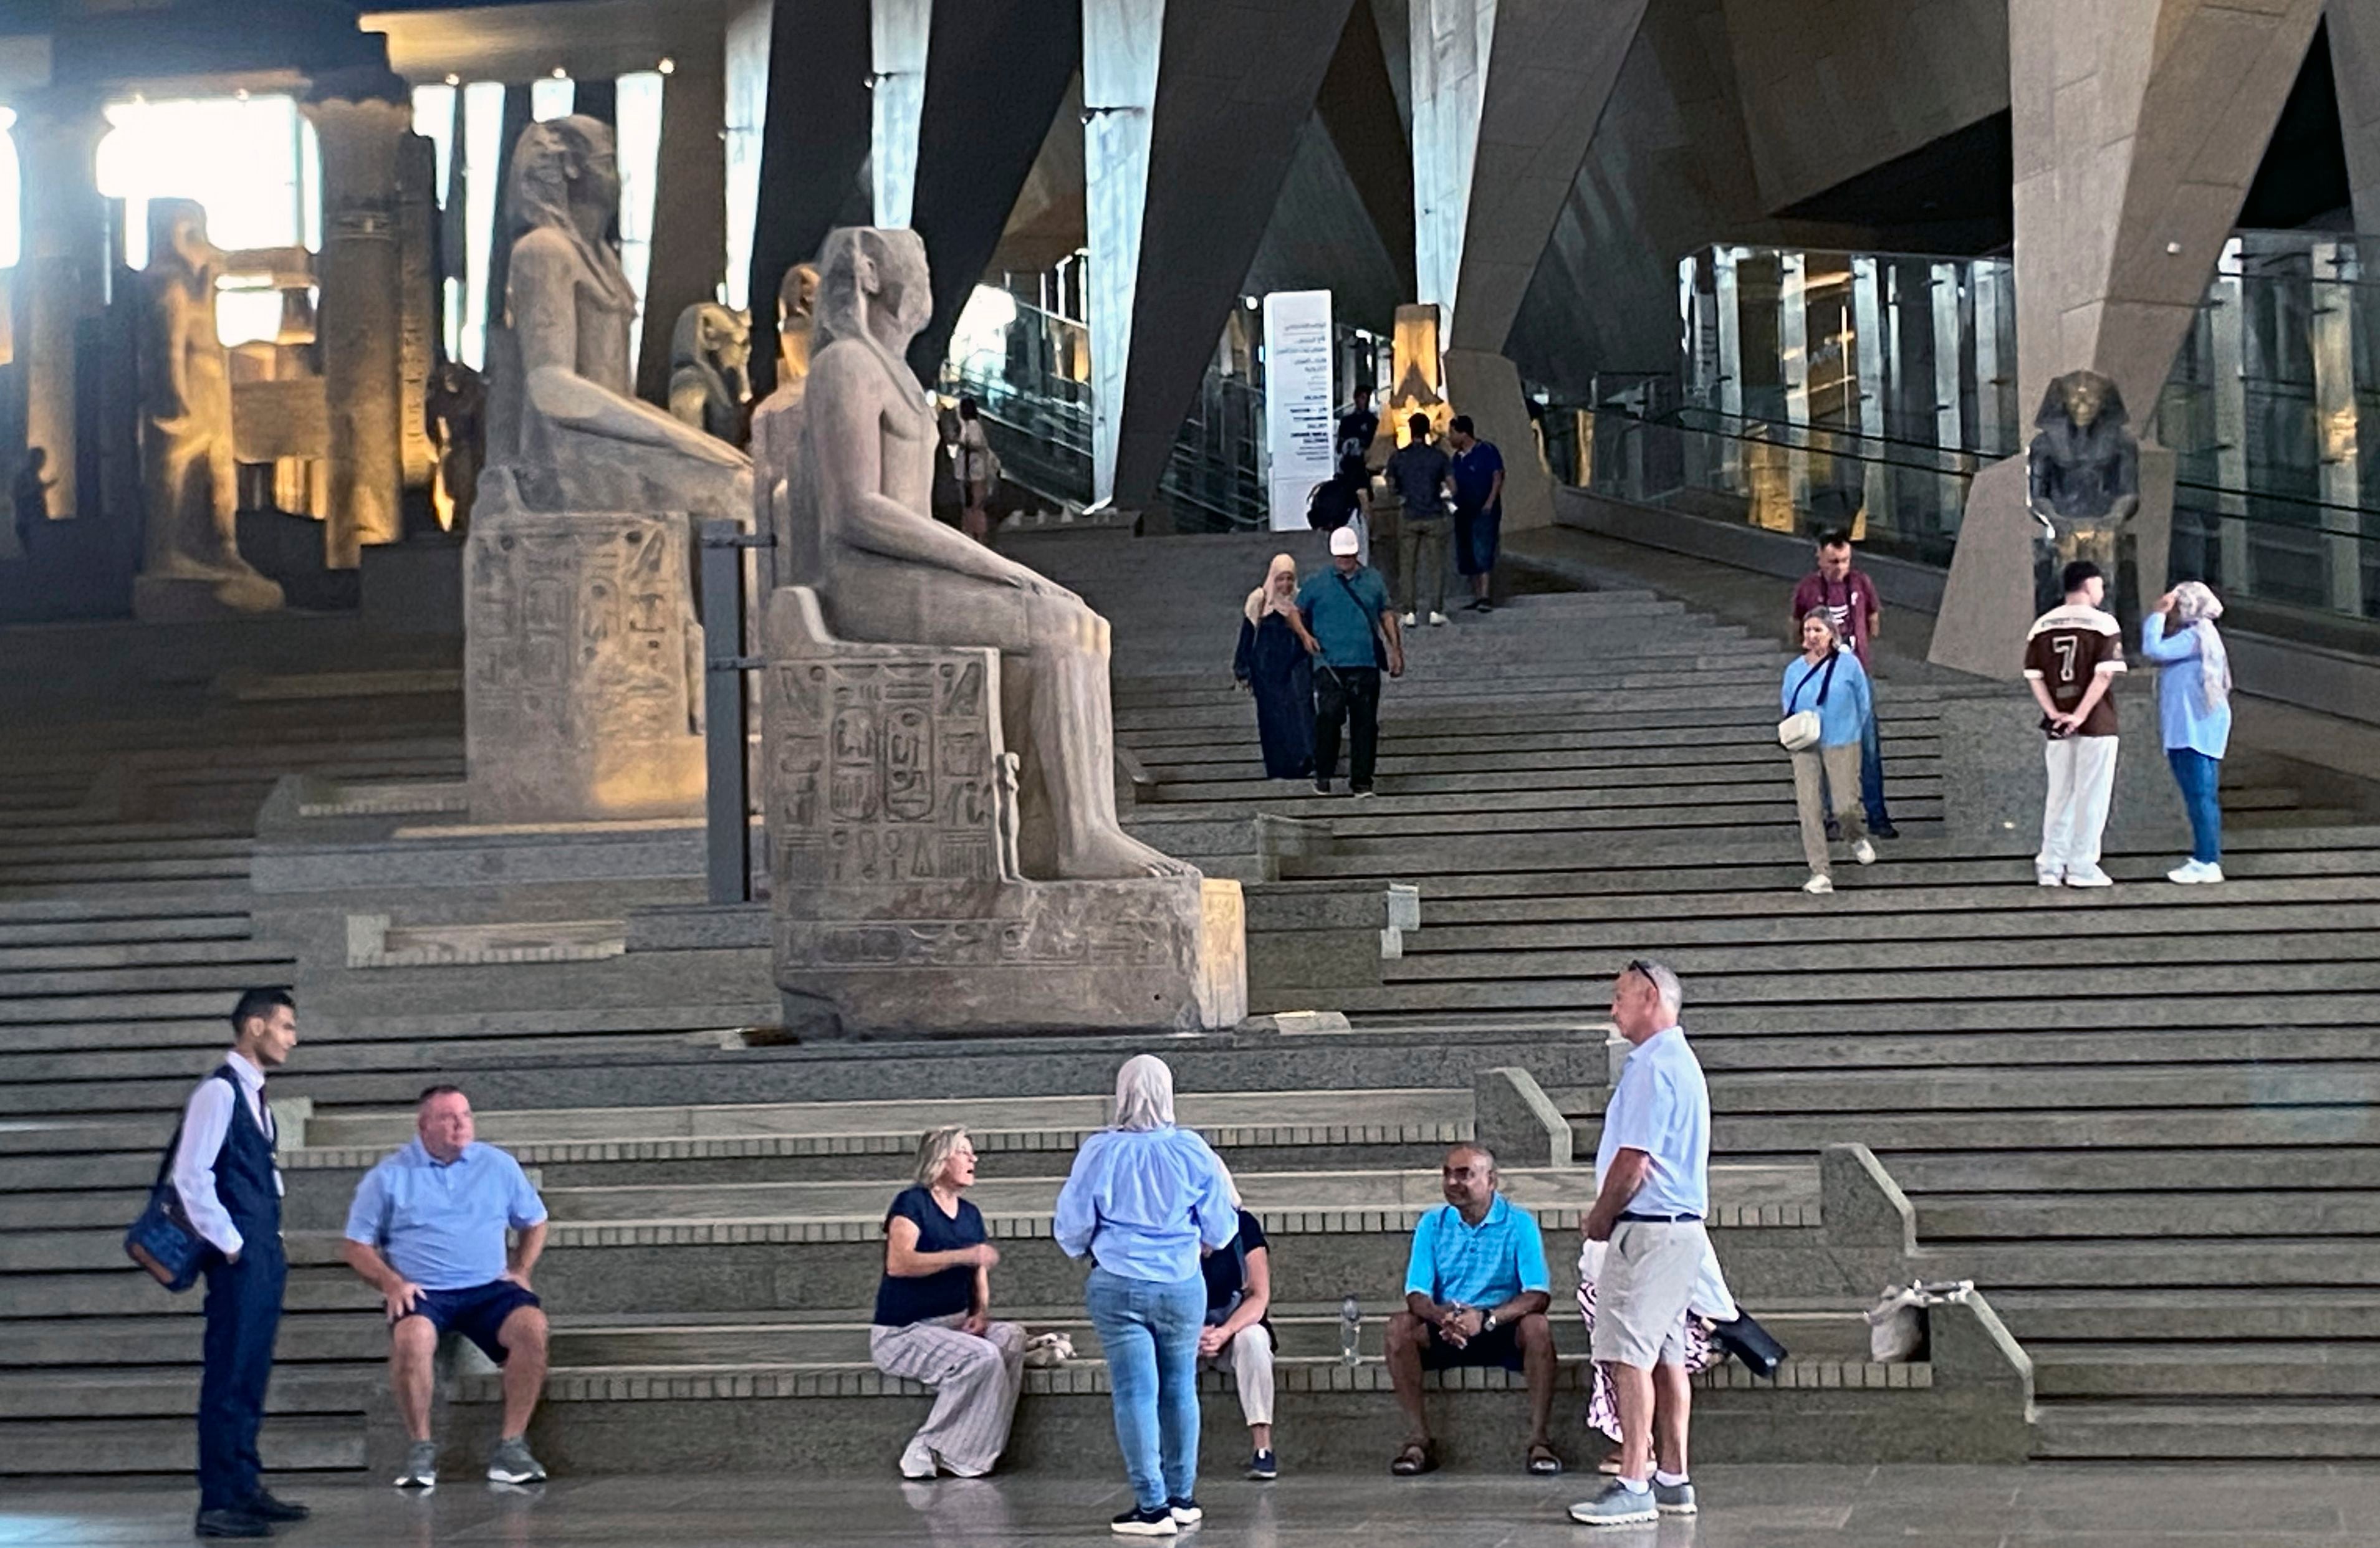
(2196, 774)
(1149, 1333)
(1871, 778)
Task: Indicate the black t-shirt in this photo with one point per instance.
(900, 1301)
(1356, 428)
(1226, 1268)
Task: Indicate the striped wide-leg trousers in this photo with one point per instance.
(975, 1380)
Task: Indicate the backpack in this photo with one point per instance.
(1329, 506)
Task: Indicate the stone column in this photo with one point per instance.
(62, 276)
(898, 31)
(362, 125)
(1121, 40)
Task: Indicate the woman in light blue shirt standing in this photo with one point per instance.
(1827, 681)
(1144, 1199)
(2194, 711)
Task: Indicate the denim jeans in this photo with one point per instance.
(1149, 1333)
(2197, 774)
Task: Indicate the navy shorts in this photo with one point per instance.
(478, 1313)
(1476, 539)
(1499, 1347)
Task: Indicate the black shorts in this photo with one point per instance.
(1499, 1347)
(478, 1313)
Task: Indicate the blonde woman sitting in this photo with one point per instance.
(933, 1315)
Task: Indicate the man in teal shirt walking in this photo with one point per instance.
(1347, 624)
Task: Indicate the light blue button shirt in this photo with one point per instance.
(1142, 1202)
(1850, 701)
(442, 1224)
(1663, 1108)
(1457, 1264)
(2185, 715)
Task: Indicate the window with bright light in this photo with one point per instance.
(250, 161)
(552, 96)
(483, 149)
(639, 109)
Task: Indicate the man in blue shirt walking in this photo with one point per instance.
(427, 1231)
(1477, 1291)
(1478, 474)
(1344, 619)
(1652, 1192)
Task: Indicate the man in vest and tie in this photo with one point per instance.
(230, 1186)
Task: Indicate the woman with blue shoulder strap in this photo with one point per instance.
(1826, 698)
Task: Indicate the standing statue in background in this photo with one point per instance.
(2083, 486)
(708, 382)
(457, 409)
(865, 539)
(190, 562)
(772, 421)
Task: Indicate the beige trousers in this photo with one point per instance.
(976, 1380)
(1843, 769)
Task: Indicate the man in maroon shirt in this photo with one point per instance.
(1850, 599)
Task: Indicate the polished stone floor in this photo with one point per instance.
(2089, 1506)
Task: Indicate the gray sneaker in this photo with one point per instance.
(1618, 1506)
(513, 1464)
(420, 1469)
(1673, 1499)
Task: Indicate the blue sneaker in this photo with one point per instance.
(1673, 1499)
(1264, 1467)
(1618, 1506)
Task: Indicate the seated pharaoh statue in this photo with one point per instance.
(862, 536)
(2083, 485)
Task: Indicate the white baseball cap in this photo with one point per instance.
(1344, 540)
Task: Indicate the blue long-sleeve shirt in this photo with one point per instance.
(2185, 715)
(1849, 703)
(1142, 1203)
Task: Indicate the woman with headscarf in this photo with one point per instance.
(1826, 681)
(1143, 1200)
(933, 1315)
(1275, 669)
(2195, 710)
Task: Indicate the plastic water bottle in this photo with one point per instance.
(1351, 1332)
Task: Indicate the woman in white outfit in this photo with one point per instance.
(933, 1315)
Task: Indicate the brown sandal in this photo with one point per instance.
(1416, 1458)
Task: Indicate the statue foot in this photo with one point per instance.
(1115, 856)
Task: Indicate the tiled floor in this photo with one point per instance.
(2176, 1506)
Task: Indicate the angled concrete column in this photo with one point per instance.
(1121, 40)
(813, 152)
(1506, 95)
(1238, 82)
(996, 75)
(689, 251)
(898, 33)
(61, 275)
(2138, 126)
(361, 122)
(2354, 27)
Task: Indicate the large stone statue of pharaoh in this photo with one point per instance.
(2082, 484)
(190, 562)
(862, 536)
(566, 430)
(775, 419)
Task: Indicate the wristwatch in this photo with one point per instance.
(1487, 1322)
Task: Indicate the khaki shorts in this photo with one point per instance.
(1640, 1303)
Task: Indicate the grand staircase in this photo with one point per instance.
(2141, 1119)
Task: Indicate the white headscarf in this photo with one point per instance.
(1143, 1094)
(2196, 607)
(1263, 599)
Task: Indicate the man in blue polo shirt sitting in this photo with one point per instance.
(1475, 1294)
(427, 1231)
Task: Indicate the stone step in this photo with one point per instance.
(22, 837)
(1514, 983)
(1939, 1176)
(2300, 1212)
(1621, 748)
(2014, 928)
(289, 1443)
(1735, 1051)
(2199, 1315)
(16, 877)
(1547, 807)
(124, 943)
(32, 852)
(2016, 1087)
(135, 1392)
(2143, 1431)
(1719, 971)
(127, 907)
(1969, 909)
(2259, 1263)
(2020, 1128)
(305, 1337)
(233, 972)
(2230, 1372)
(317, 1283)
(1744, 713)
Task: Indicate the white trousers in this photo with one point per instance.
(1248, 1357)
(2081, 780)
(974, 1382)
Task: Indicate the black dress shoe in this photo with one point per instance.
(265, 1507)
(232, 1523)
(1883, 829)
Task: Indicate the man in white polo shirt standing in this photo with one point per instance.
(1652, 1190)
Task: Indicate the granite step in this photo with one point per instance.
(1718, 971)
(2081, 1430)
(2230, 1373)
(229, 942)
(2193, 1316)
(1939, 1177)
(2236, 1216)
(166, 1341)
(122, 1391)
(1969, 908)
(290, 1441)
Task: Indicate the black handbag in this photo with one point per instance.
(1751, 1343)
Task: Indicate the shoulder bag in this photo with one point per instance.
(163, 1240)
(1799, 731)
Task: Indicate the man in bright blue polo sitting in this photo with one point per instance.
(428, 1231)
(1475, 1294)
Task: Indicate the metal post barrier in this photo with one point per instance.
(726, 724)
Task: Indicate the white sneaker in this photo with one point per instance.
(1817, 886)
(2191, 871)
(2048, 878)
(1410, 619)
(1437, 619)
(1865, 853)
(2088, 876)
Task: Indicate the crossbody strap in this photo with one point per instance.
(1371, 622)
(174, 1146)
(1825, 683)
